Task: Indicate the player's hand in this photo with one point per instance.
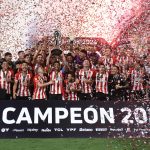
(87, 81)
(51, 82)
(14, 95)
(118, 87)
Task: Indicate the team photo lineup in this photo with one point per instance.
(40, 73)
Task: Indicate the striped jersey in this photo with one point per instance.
(72, 95)
(86, 75)
(102, 83)
(24, 81)
(137, 80)
(57, 87)
(39, 92)
(4, 84)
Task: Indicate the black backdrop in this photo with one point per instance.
(136, 116)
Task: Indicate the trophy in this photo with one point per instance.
(71, 42)
(57, 41)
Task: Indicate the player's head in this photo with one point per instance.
(107, 50)
(102, 68)
(39, 59)
(28, 58)
(8, 56)
(21, 55)
(24, 66)
(69, 58)
(56, 66)
(93, 57)
(114, 69)
(5, 65)
(83, 54)
(86, 63)
(70, 77)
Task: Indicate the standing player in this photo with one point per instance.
(56, 89)
(23, 80)
(101, 84)
(117, 85)
(107, 58)
(86, 78)
(5, 81)
(137, 81)
(40, 83)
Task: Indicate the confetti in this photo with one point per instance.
(24, 22)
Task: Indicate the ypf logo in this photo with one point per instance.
(4, 130)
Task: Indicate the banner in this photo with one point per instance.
(45, 119)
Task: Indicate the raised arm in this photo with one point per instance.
(37, 53)
(49, 55)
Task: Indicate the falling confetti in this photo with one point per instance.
(24, 22)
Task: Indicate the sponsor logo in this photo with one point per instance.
(32, 130)
(101, 129)
(4, 130)
(116, 130)
(46, 130)
(18, 130)
(85, 129)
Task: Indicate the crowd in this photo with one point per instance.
(110, 74)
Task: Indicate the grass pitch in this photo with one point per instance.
(75, 144)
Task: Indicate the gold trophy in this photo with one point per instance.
(57, 42)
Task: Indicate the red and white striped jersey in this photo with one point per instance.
(122, 59)
(137, 80)
(4, 75)
(108, 62)
(86, 75)
(23, 84)
(57, 87)
(72, 95)
(39, 92)
(102, 83)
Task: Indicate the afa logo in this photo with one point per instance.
(4, 130)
